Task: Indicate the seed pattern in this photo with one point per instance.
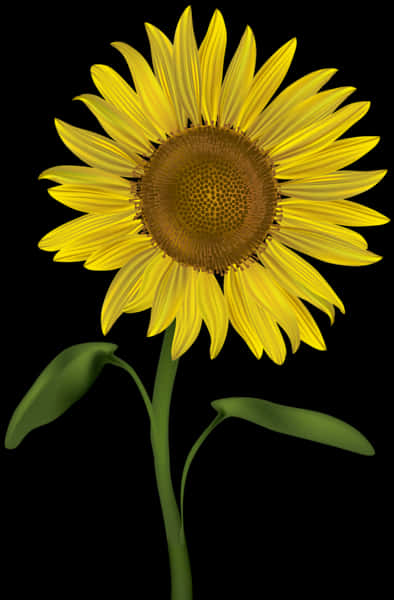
(211, 197)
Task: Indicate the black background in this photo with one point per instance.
(80, 509)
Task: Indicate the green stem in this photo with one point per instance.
(181, 579)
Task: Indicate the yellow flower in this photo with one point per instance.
(207, 185)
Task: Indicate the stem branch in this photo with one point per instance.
(119, 362)
(218, 419)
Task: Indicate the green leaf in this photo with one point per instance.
(65, 380)
(299, 422)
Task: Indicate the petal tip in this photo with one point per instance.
(107, 320)
(96, 69)
(279, 361)
(186, 12)
(339, 304)
(175, 355)
(118, 46)
(217, 13)
(330, 71)
(105, 326)
(292, 44)
(151, 331)
(213, 352)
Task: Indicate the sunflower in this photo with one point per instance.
(207, 187)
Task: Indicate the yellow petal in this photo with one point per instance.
(333, 157)
(121, 286)
(332, 186)
(103, 199)
(127, 135)
(163, 66)
(118, 253)
(139, 302)
(292, 285)
(75, 251)
(211, 55)
(293, 94)
(299, 269)
(264, 325)
(306, 112)
(143, 296)
(309, 331)
(169, 295)
(153, 100)
(269, 333)
(71, 254)
(340, 212)
(258, 282)
(87, 231)
(78, 175)
(188, 318)
(317, 136)
(96, 150)
(305, 223)
(187, 67)
(239, 315)
(213, 308)
(266, 82)
(325, 247)
(120, 94)
(238, 80)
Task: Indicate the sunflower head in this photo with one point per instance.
(205, 185)
(208, 198)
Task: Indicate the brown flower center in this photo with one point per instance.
(208, 198)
